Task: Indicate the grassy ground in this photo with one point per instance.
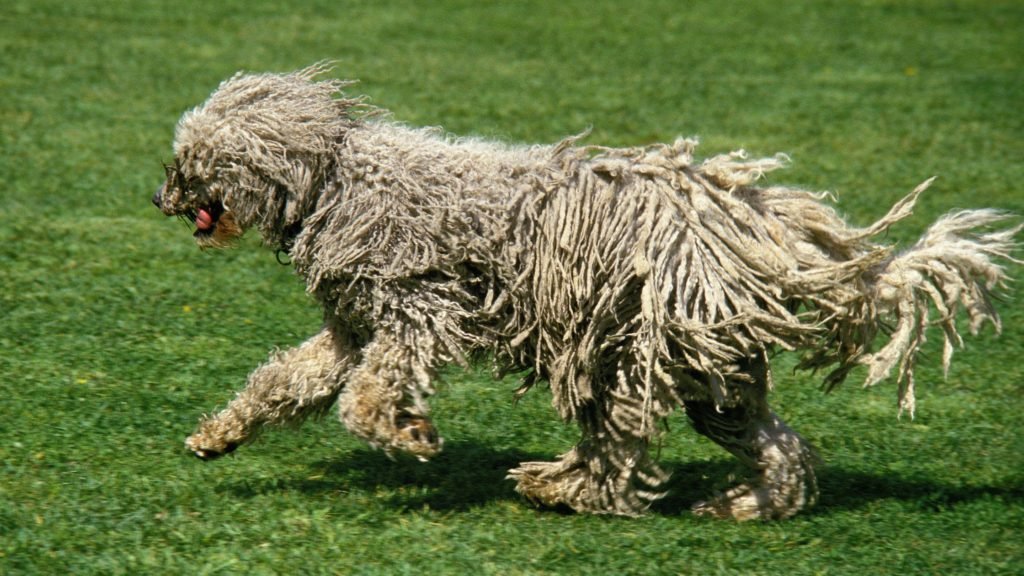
(115, 333)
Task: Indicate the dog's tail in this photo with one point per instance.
(957, 263)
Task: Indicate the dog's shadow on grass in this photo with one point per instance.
(467, 475)
(463, 476)
(840, 489)
(851, 490)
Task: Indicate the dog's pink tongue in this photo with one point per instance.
(204, 221)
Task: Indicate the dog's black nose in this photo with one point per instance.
(158, 195)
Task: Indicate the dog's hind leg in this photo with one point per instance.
(781, 460)
(385, 398)
(608, 472)
(293, 385)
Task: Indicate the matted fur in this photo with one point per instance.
(633, 281)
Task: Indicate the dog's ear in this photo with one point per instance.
(299, 182)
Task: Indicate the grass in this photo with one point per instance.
(117, 333)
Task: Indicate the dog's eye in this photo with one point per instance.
(177, 180)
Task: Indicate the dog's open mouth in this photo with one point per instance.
(206, 219)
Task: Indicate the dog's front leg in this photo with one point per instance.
(291, 386)
(384, 401)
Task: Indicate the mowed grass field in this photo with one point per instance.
(116, 333)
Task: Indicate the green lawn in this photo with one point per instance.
(116, 333)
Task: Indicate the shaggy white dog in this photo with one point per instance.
(632, 281)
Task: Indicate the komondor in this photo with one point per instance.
(632, 281)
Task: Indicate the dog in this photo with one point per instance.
(633, 281)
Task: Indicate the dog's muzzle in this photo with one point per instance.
(158, 196)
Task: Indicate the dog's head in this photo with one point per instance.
(256, 154)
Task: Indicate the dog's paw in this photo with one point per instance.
(724, 507)
(416, 435)
(205, 449)
(536, 481)
(742, 503)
